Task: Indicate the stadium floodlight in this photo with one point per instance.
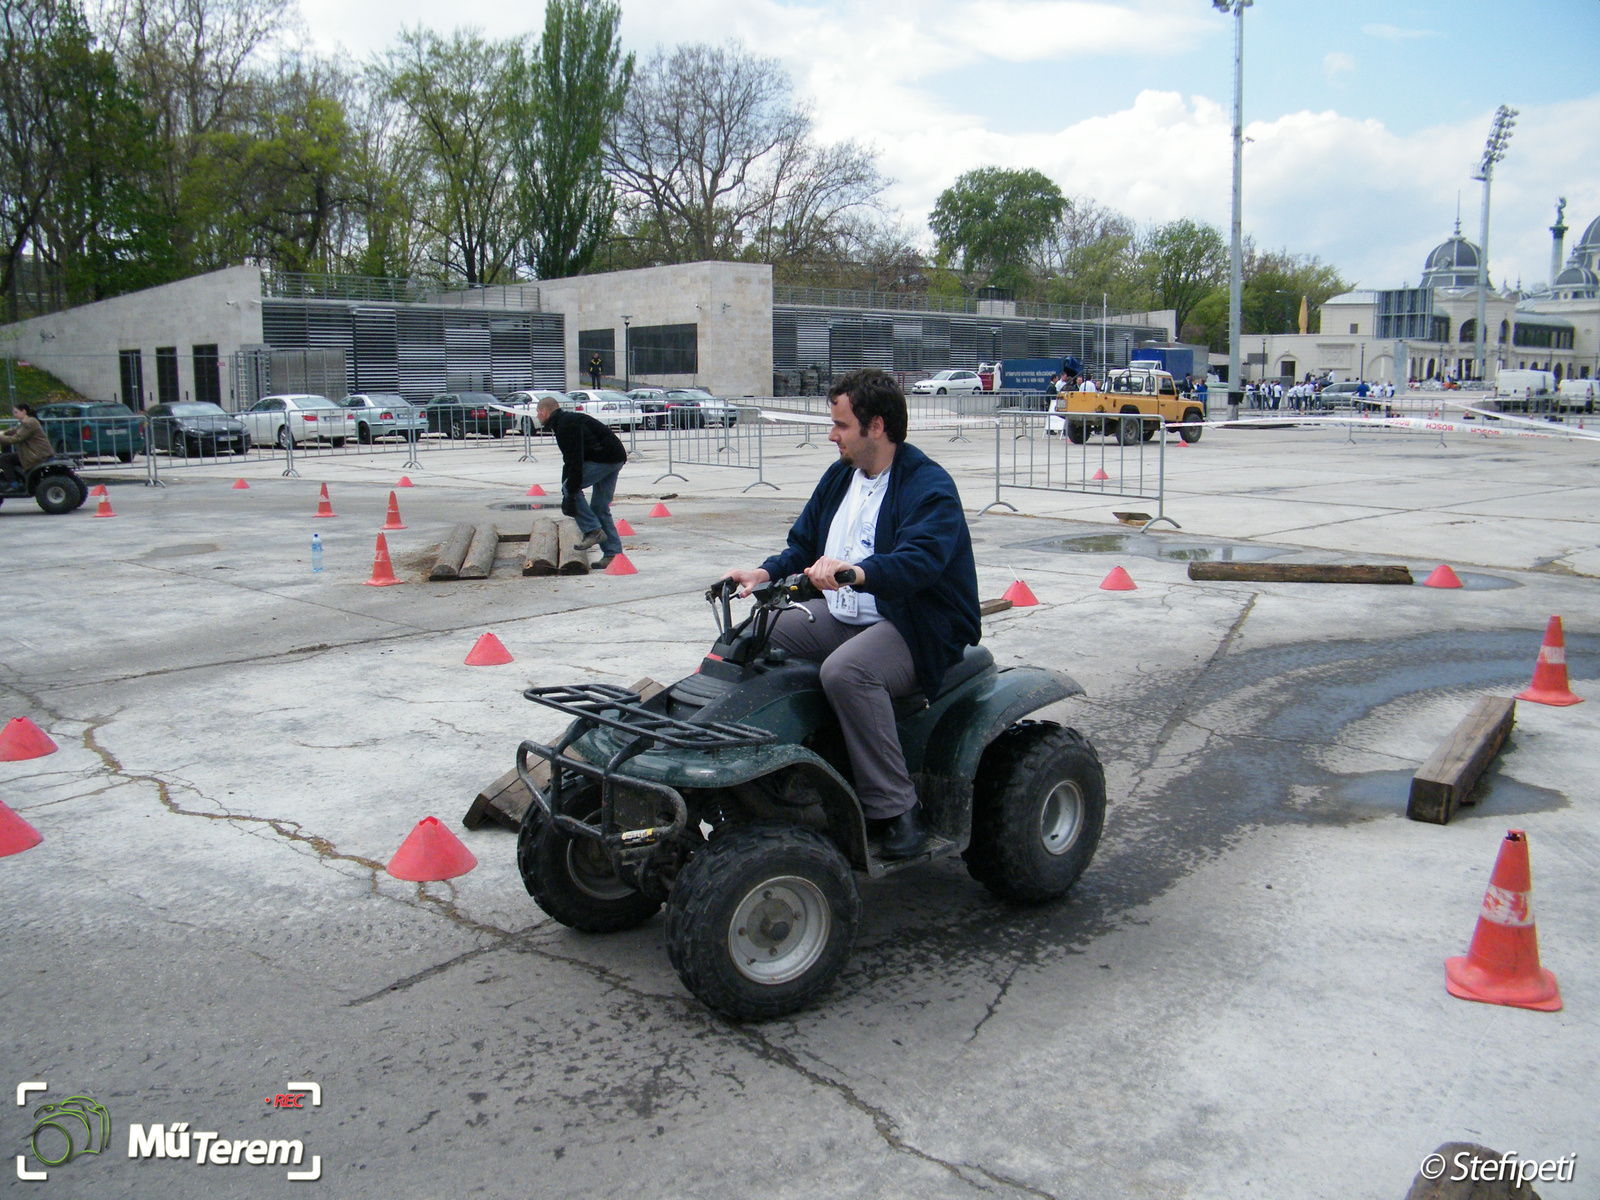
(1236, 255)
(1494, 150)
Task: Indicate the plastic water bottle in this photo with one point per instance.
(316, 552)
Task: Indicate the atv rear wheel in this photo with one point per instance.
(571, 878)
(761, 920)
(1038, 806)
(57, 494)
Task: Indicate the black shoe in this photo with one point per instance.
(605, 561)
(905, 836)
(876, 827)
(591, 540)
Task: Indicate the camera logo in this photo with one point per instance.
(78, 1125)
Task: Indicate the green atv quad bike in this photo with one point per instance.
(728, 798)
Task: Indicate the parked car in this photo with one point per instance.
(652, 404)
(93, 430)
(196, 428)
(948, 382)
(380, 415)
(524, 406)
(1348, 392)
(699, 407)
(610, 408)
(300, 416)
(458, 415)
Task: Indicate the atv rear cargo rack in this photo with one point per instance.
(597, 705)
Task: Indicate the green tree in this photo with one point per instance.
(997, 220)
(1093, 254)
(566, 99)
(1184, 261)
(1275, 283)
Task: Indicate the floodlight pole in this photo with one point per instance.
(1236, 256)
(1493, 151)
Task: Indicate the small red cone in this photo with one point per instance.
(16, 835)
(620, 565)
(624, 529)
(1100, 474)
(1442, 577)
(1020, 595)
(394, 514)
(429, 852)
(98, 489)
(22, 739)
(104, 509)
(660, 510)
(324, 508)
(1549, 684)
(405, 481)
(382, 569)
(1502, 965)
(1118, 581)
(536, 490)
(240, 485)
(488, 651)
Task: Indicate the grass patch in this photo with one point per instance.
(34, 385)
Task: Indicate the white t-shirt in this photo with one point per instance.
(852, 538)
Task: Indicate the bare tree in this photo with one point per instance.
(716, 160)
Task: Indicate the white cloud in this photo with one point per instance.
(1392, 33)
(1335, 64)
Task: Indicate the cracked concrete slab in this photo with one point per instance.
(1242, 997)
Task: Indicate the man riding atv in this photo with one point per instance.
(891, 517)
(26, 446)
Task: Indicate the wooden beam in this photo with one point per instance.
(1298, 573)
(480, 557)
(987, 608)
(573, 561)
(1446, 780)
(448, 564)
(543, 558)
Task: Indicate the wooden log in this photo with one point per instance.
(448, 564)
(987, 608)
(480, 557)
(1446, 780)
(573, 561)
(543, 558)
(647, 687)
(1298, 573)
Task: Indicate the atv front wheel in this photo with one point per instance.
(761, 920)
(571, 878)
(1037, 810)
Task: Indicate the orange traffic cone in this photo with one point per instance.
(394, 514)
(98, 489)
(624, 529)
(1549, 684)
(536, 490)
(1442, 577)
(488, 651)
(324, 508)
(104, 508)
(1020, 595)
(382, 570)
(431, 851)
(16, 835)
(660, 510)
(1118, 581)
(1100, 474)
(240, 485)
(620, 565)
(22, 739)
(405, 481)
(1502, 965)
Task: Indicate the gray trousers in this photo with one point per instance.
(863, 667)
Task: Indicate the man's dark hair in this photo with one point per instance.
(874, 393)
(22, 406)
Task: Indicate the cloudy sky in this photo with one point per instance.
(1366, 117)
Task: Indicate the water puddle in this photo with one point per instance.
(1159, 546)
(1496, 796)
(1472, 581)
(525, 505)
(182, 550)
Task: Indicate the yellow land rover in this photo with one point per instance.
(1142, 391)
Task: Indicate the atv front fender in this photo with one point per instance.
(976, 719)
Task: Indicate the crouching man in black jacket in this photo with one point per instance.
(591, 458)
(892, 516)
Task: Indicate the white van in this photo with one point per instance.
(1578, 395)
(1524, 391)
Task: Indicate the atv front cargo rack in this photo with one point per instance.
(597, 705)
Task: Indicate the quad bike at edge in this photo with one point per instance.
(763, 909)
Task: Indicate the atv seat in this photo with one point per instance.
(974, 661)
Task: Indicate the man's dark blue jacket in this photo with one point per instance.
(922, 575)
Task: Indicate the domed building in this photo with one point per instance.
(1575, 283)
(1587, 252)
(1453, 263)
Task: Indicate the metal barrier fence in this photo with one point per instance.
(956, 411)
(727, 435)
(1128, 460)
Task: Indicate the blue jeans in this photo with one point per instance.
(595, 512)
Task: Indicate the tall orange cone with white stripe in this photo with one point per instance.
(1549, 684)
(1502, 965)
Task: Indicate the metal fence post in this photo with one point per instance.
(413, 436)
(806, 425)
(288, 447)
(152, 473)
(670, 473)
(996, 502)
(760, 457)
(961, 432)
(1161, 487)
(527, 441)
